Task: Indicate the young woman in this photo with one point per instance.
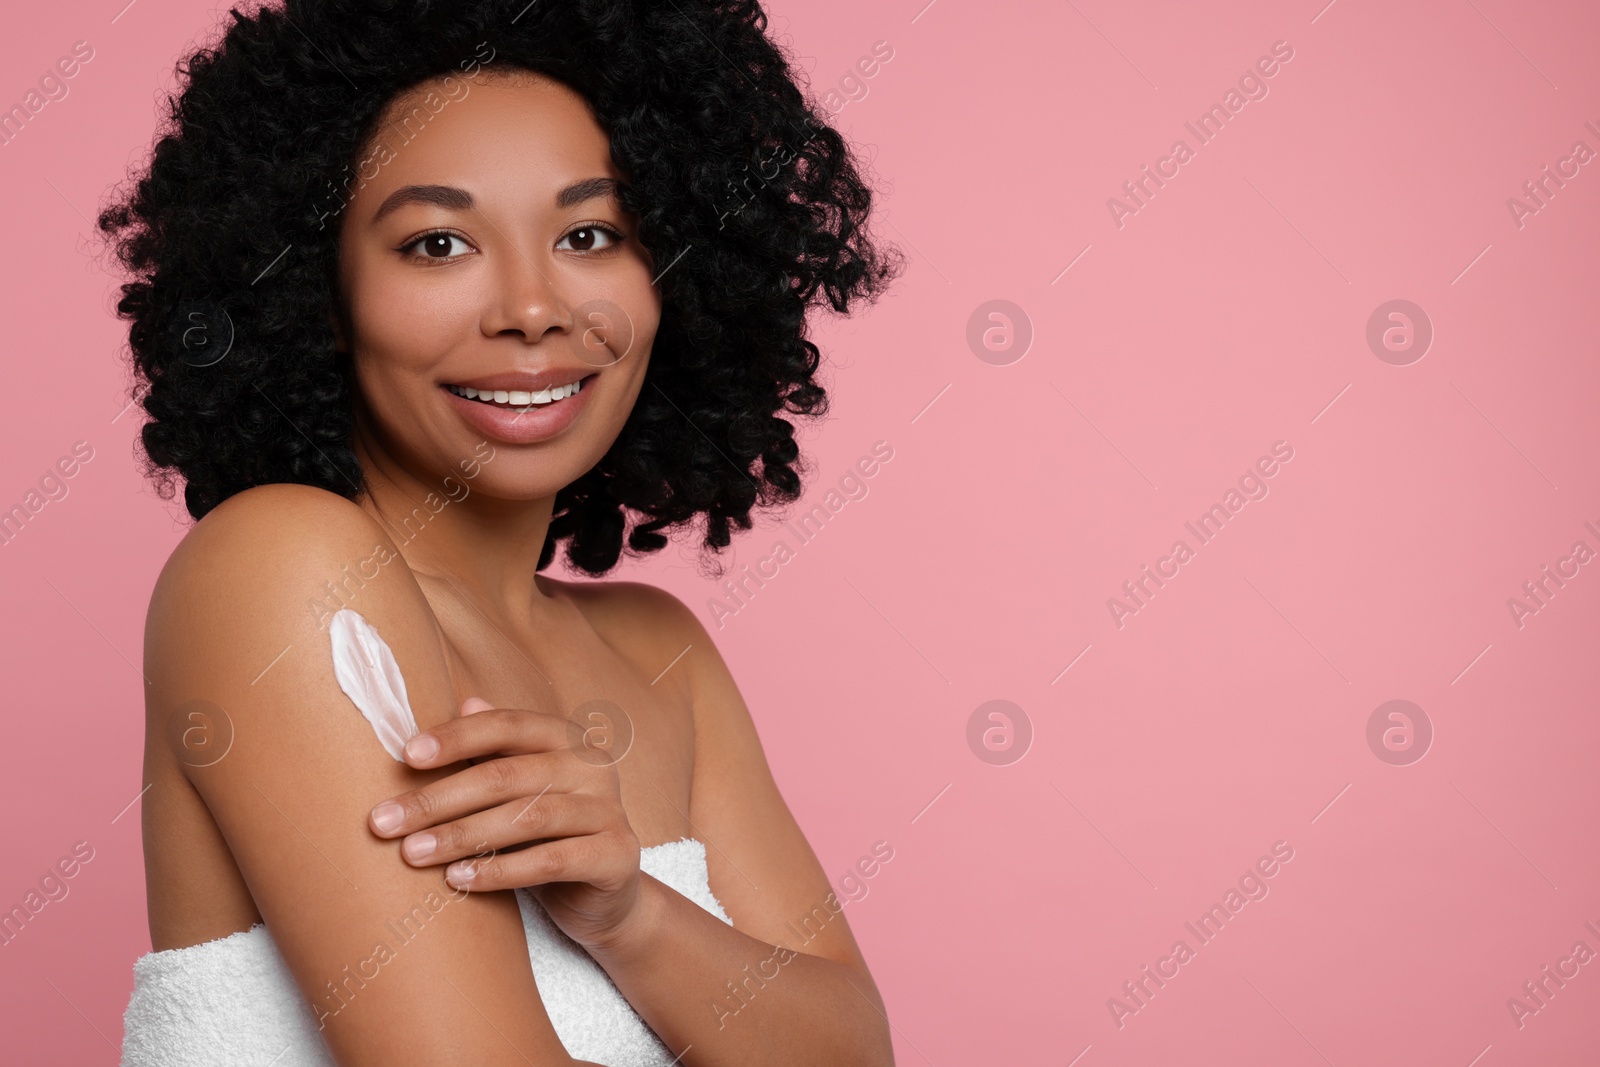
(420, 294)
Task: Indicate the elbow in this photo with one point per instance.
(880, 1050)
(875, 1045)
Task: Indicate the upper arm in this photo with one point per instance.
(397, 965)
(762, 868)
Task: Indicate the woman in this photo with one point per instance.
(420, 293)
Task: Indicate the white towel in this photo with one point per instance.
(234, 1002)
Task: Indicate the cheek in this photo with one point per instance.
(645, 303)
(405, 329)
(398, 354)
(624, 317)
(389, 393)
(412, 322)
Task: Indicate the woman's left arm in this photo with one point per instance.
(789, 985)
(786, 985)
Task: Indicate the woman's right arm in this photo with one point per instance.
(398, 966)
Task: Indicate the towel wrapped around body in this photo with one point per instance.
(233, 1002)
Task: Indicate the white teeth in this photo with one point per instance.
(516, 397)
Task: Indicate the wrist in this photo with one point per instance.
(635, 936)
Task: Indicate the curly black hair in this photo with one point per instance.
(753, 204)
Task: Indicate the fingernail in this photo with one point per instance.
(388, 816)
(420, 846)
(422, 748)
(475, 704)
(461, 872)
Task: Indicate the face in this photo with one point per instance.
(488, 255)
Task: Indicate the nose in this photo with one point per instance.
(525, 300)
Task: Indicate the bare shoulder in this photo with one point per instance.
(624, 600)
(658, 628)
(647, 621)
(265, 566)
(266, 526)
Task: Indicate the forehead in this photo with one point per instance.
(506, 133)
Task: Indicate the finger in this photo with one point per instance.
(519, 822)
(493, 731)
(603, 860)
(478, 787)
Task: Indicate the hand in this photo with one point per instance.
(537, 783)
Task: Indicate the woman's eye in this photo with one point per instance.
(590, 239)
(438, 246)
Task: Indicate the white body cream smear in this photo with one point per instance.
(369, 675)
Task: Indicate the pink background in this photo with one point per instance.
(1230, 713)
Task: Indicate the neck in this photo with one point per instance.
(485, 548)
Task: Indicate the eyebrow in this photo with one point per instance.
(455, 199)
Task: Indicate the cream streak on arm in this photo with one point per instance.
(370, 677)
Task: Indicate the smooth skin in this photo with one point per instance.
(261, 803)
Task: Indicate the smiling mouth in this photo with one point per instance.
(519, 400)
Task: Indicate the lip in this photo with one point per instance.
(511, 426)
